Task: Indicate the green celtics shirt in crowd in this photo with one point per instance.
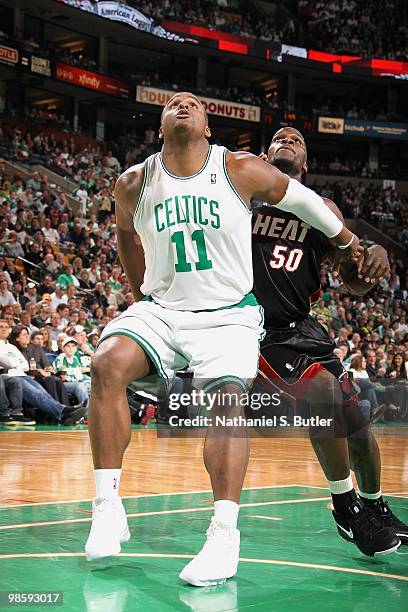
(71, 367)
(196, 235)
(83, 358)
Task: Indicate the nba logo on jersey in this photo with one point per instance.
(213, 179)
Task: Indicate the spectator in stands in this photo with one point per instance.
(68, 278)
(6, 297)
(84, 352)
(83, 320)
(100, 296)
(49, 232)
(374, 370)
(93, 339)
(30, 295)
(398, 368)
(111, 162)
(40, 368)
(63, 312)
(12, 246)
(33, 393)
(51, 265)
(75, 381)
(43, 315)
(360, 375)
(25, 319)
(46, 287)
(43, 338)
(397, 373)
(58, 297)
(11, 401)
(34, 182)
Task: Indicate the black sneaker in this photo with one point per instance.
(21, 419)
(69, 416)
(357, 524)
(383, 513)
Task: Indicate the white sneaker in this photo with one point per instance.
(219, 598)
(218, 558)
(109, 528)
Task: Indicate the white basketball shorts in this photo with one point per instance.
(218, 346)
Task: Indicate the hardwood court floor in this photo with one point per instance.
(291, 556)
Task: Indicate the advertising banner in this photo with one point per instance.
(376, 129)
(40, 65)
(290, 50)
(37, 64)
(120, 11)
(92, 80)
(8, 55)
(330, 125)
(221, 108)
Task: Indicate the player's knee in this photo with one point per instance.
(325, 388)
(325, 397)
(117, 361)
(105, 369)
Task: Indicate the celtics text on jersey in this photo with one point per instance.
(196, 236)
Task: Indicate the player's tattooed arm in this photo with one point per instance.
(372, 267)
(127, 190)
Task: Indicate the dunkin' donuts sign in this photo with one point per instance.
(222, 108)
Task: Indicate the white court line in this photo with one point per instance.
(161, 512)
(331, 568)
(269, 518)
(396, 494)
(48, 451)
(87, 499)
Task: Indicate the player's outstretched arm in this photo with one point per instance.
(255, 179)
(127, 190)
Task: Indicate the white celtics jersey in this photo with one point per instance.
(196, 235)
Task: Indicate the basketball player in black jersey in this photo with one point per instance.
(297, 353)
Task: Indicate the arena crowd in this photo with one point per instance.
(338, 26)
(61, 283)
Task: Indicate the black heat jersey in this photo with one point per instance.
(287, 256)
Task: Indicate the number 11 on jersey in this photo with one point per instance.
(182, 264)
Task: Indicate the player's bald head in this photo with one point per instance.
(288, 152)
(184, 115)
(288, 131)
(182, 96)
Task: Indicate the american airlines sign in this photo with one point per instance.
(120, 11)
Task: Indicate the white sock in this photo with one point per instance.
(226, 511)
(337, 487)
(107, 482)
(370, 495)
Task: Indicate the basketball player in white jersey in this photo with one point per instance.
(189, 208)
